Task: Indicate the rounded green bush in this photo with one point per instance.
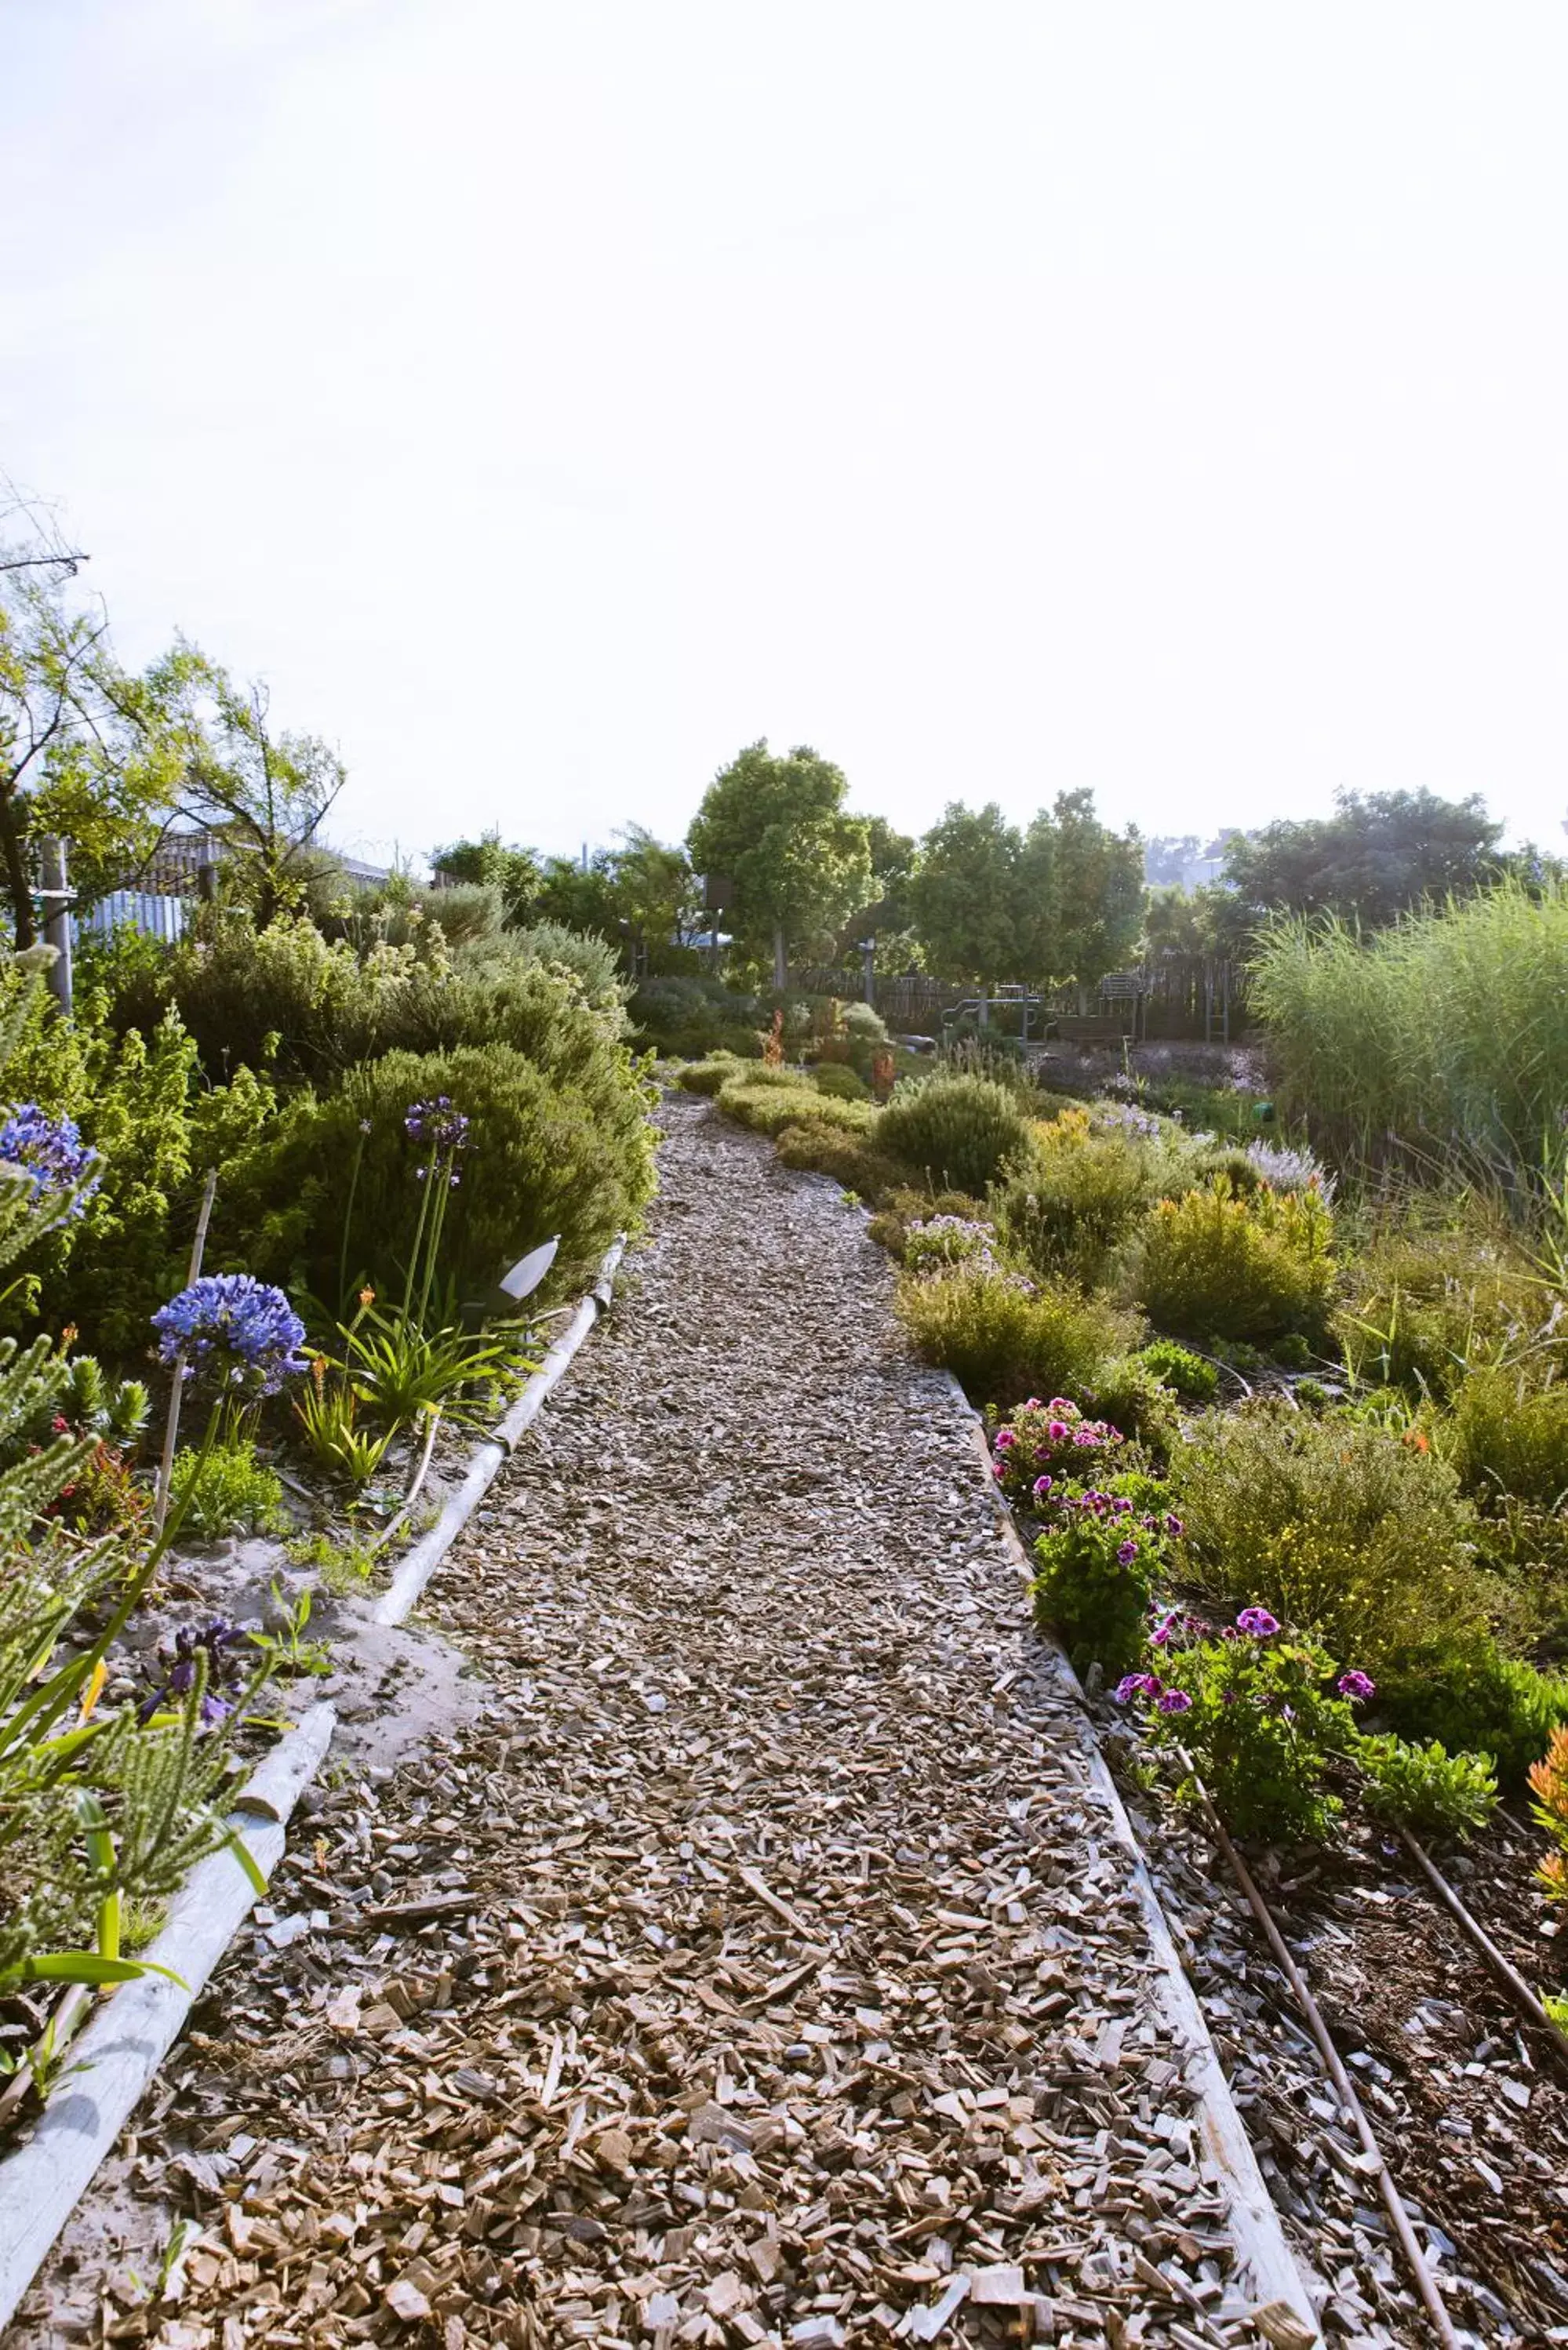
(1002, 1337)
(839, 1081)
(543, 1158)
(958, 1131)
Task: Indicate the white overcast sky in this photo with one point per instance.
(548, 396)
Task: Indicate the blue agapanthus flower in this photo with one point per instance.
(234, 1330)
(50, 1152)
(444, 1131)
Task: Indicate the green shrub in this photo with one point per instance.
(139, 1102)
(543, 1159)
(690, 1017)
(1214, 1265)
(1511, 1438)
(1425, 1788)
(767, 1101)
(958, 1131)
(1074, 1196)
(1097, 1562)
(1128, 1395)
(1353, 1535)
(813, 1147)
(1177, 1368)
(233, 1494)
(837, 1080)
(1462, 1690)
(708, 1077)
(1003, 1337)
(865, 1025)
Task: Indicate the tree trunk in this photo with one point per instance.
(17, 881)
(780, 960)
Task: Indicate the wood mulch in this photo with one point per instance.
(753, 1964)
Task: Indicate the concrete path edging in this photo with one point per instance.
(421, 1560)
(1255, 2222)
(110, 2067)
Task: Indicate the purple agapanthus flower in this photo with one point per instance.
(1357, 1685)
(50, 1153)
(1258, 1622)
(216, 1643)
(1174, 1701)
(233, 1330)
(437, 1124)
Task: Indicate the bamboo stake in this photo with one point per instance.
(171, 1425)
(1416, 2259)
(1512, 1981)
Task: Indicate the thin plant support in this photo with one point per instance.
(171, 1425)
(1393, 2203)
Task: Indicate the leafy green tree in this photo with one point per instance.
(1096, 890)
(973, 900)
(85, 750)
(776, 826)
(1378, 854)
(513, 871)
(266, 793)
(578, 897)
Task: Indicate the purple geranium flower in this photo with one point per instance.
(1005, 1439)
(1175, 1527)
(240, 1332)
(1136, 1685)
(1174, 1701)
(1258, 1622)
(1357, 1685)
(1126, 1552)
(1043, 1486)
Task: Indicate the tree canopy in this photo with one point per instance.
(776, 827)
(1060, 899)
(1377, 856)
(86, 749)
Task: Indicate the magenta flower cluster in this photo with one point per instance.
(1150, 1686)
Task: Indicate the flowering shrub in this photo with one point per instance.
(1098, 1558)
(1041, 1445)
(1283, 1168)
(236, 1333)
(1077, 1193)
(940, 1241)
(1218, 1264)
(50, 1155)
(1262, 1715)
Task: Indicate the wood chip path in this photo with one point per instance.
(755, 1966)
